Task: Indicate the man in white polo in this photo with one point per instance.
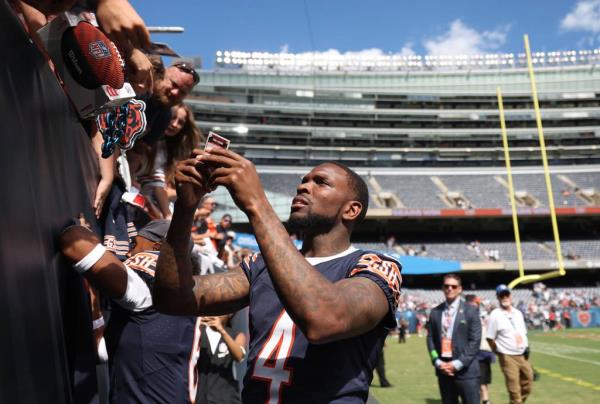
(507, 336)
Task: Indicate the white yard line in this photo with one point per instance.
(568, 357)
(564, 351)
(563, 348)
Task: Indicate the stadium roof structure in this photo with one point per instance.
(289, 111)
(353, 62)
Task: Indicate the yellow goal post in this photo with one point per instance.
(523, 278)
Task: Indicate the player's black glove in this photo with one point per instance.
(526, 353)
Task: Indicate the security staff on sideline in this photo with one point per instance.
(453, 341)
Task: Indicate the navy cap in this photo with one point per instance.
(502, 289)
(156, 230)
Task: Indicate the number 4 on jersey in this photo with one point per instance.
(270, 365)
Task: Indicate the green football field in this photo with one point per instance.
(568, 363)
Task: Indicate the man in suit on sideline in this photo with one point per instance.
(453, 341)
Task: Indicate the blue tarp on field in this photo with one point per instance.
(247, 240)
(426, 266)
(410, 265)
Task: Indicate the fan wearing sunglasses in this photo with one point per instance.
(452, 342)
(170, 86)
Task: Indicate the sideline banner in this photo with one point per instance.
(585, 318)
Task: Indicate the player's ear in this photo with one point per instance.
(352, 210)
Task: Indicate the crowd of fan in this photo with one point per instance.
(136, 187)
(214, 249)
(550, 309)
(547, 309)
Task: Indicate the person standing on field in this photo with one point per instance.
(507, 336)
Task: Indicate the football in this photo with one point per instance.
(91, 58)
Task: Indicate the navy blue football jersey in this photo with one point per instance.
(283, 367)
(152, 356)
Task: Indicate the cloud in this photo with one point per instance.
(461, 39)
(585, 16)
(407, 50)
(371, 53)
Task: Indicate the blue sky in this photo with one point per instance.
(394, 26)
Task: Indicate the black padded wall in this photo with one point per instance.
(48, 171)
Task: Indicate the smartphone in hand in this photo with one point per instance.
(212, 140)
(216, 140)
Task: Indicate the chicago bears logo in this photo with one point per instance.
(98, 50)
(387, 270)
(136, 124)
(584, 318)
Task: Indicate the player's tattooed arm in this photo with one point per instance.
(323, 310)
(179, 292)
(176, 290)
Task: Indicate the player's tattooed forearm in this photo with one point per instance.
(221, 293)
(170, 272)
(224, 286)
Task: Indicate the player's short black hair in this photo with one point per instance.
(358, 186)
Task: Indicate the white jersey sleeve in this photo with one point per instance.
(137, 296)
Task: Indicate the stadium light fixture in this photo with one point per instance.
(241, 129)
(311, 60)
(305, 93)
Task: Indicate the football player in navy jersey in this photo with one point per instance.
(152, 356)
(318, 316)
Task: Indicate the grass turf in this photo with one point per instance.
(568, 362)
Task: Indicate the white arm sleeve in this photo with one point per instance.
(137, 296)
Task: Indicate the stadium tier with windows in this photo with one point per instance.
(425, 135)
(422, 116)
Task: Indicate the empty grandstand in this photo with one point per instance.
(424, 132)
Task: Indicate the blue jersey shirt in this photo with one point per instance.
(152, 356)
(283, 367)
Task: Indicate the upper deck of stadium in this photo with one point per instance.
(424, 133)
(401, 110)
